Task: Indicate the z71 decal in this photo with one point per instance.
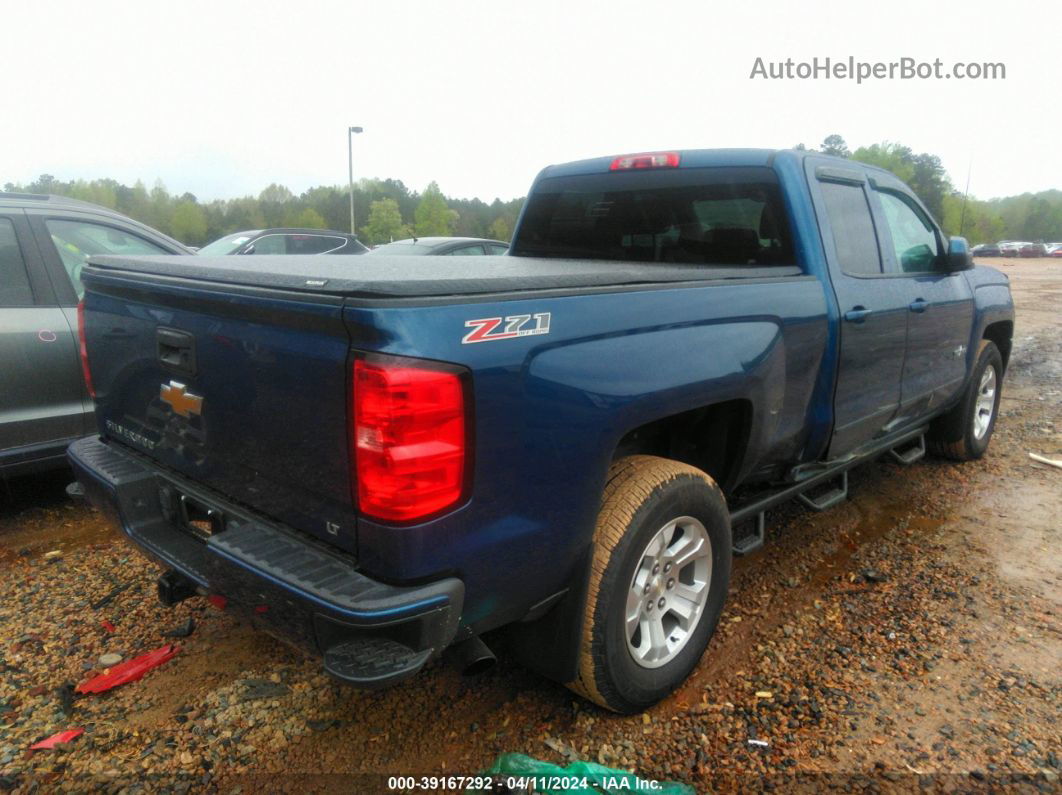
(487, 329)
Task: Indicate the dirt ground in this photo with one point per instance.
(907, 639)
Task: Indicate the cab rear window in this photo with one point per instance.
(704, 216)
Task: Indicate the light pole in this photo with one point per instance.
(350, 169)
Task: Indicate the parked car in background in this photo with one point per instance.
(1054, 250)
(986, 250)
(44, 243)
(285, 241)
(1033, 250)
(435, 246)
(1010, 248)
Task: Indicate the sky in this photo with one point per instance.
(221, 99)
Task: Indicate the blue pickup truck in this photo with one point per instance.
(381, 459)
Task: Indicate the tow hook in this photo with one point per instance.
(174, 587)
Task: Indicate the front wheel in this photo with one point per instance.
(963, 433)
(659, 578)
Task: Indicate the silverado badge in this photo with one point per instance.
(180, 399)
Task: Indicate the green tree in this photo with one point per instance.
(931, 182)
(273, 204)
(242, 214)
(835, 145)
(307, 218)
(500, 229)
(433, 216)
(189, 223)
(385, 222)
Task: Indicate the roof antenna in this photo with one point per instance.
(962, 216)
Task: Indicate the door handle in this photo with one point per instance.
(176, 349)
(918, 305)
(857, 314)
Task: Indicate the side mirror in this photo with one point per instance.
(959, 258)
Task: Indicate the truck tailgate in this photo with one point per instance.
(243, 390)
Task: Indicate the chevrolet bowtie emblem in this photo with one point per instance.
(180, 399)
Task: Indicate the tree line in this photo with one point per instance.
(386, 209)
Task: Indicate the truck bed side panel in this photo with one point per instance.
(550, 410)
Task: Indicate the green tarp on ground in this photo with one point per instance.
(543, 778)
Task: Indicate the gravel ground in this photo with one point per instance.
(908, 639)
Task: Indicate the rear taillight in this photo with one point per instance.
(646, 160)
(409, 437)
(82, 350)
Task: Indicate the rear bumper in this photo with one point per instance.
(371, 634)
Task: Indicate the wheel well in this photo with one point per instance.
(712, 438)
(1000, 333)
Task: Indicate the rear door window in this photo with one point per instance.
(314, 244)
(465, 251)
(854, 237)
(707, 216)
(14, 279)
(270, 244)
(76, 241)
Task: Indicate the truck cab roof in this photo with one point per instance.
(712, 158)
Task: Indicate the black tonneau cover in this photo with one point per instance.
(414, 277)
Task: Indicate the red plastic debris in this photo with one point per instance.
(261, 608)
(107, 625)
(218, 601)
(129, 671)
(57, 739)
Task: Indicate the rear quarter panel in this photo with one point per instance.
(550, 410)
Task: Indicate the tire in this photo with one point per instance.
(963, 434)
(645, 496)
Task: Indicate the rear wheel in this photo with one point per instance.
(659, 578)
(964, 432)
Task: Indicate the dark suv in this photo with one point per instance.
(44, 242)
(285, 241)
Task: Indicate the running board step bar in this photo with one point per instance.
(908, 455)
(824, 502)
(911, 443)
(750, 543)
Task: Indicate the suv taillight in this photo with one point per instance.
(409, 437)
(82, 350)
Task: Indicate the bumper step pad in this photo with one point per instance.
(373, 662)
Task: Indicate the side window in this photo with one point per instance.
(496, 249)
(14, 281)
(913, 236)
(313, 244)
(76, 241)
(271, 244)
(466, 251)
(853, 228)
